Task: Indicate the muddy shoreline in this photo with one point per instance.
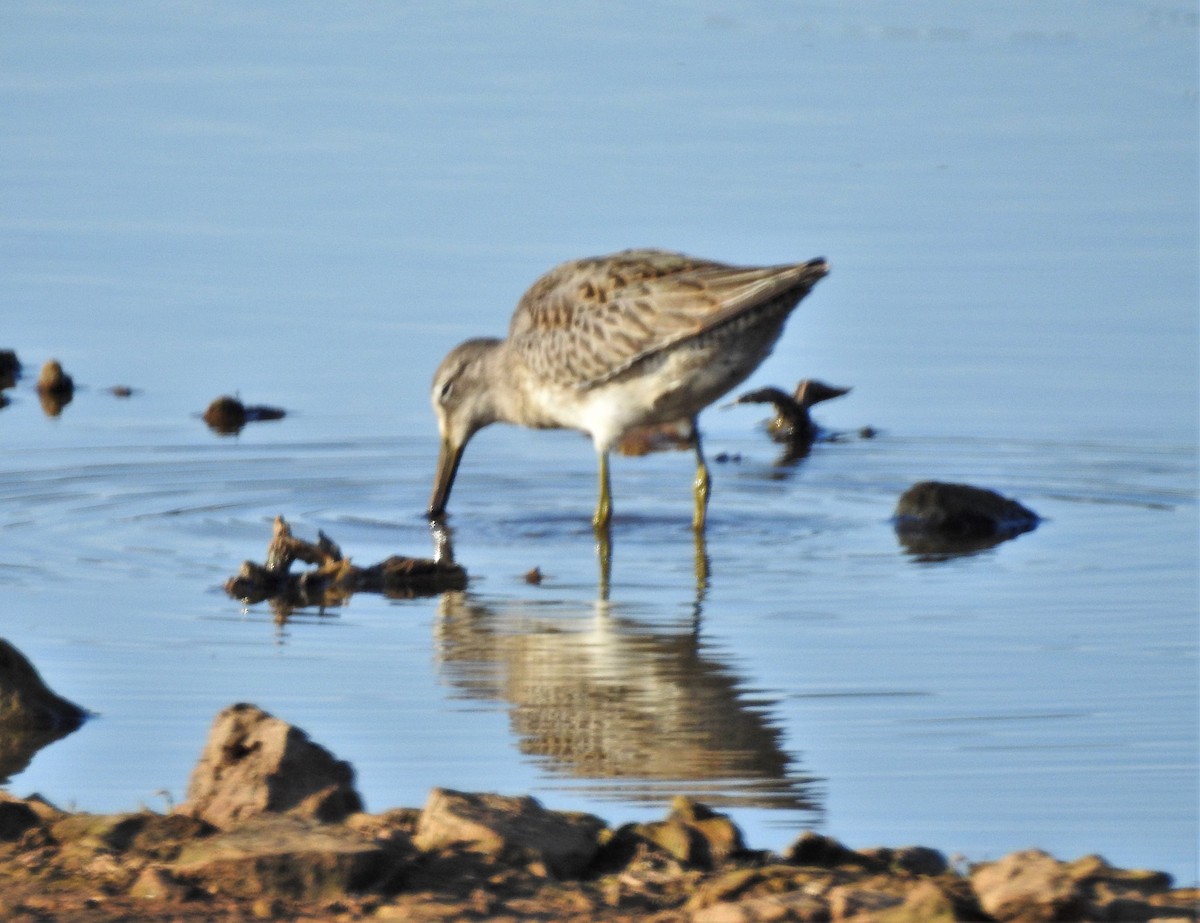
(273, 828)
(57, 865)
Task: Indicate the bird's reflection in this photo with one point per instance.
(634, 708)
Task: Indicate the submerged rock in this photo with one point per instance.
(933, 517)
(227, 415)
(255, 763)
(10, 368)
(55, 388)
(53, 380)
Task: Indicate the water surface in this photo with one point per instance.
(309, 206)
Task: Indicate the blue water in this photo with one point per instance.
(308, 204)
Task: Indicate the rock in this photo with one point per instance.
(498, 825)
(157, 884)
(227, 415)
(812, 848)
(719, 836)
(55, 388)
(287, 856)
(10, 368)
(726, 887)
(1028, 886)
(53, 380)
(254, 763)
(913, 860)
(932, 517)
(15, 818)
(692, 833)
(795, 905)
(672, 837)
(961, 511)
(925, 903)
(26, 702)
(31, 715)
(846, 901)
(153, 836)
(1091, 870)
(1124, 894)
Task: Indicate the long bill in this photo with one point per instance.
(443, 479)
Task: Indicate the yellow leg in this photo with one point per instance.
(701, 567)
(701, 485)
(604, 506)
(604, 558)
(602, 524)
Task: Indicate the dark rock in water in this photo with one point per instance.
(933, 517)
(26, 701)
(55, 388)
(31, 715)
(227, 415)
(254, 763)
(10, 368)
(53, 380)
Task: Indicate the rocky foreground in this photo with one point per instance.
(273, 829)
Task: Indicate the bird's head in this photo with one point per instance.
(463, 401)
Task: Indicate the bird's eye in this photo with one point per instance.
(446, 389)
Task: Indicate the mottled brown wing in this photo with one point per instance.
(588, 320)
